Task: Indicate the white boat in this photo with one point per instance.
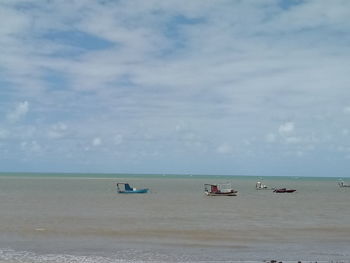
(260, 186)
(341, 183)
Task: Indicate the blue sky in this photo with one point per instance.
(198, 87)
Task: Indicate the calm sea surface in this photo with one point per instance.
(80, 218)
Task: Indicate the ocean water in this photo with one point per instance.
(81, 218)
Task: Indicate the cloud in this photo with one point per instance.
(224, 149)
(57, 130)
(131, 71)
(19, 112)
(270, 138)
(286, 128)
(31, 147)
(347, 110)
(96, 141)
(3, 134)
(293, 140)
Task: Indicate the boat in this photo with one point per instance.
(125, 188)
(219, 190)
(260, 186)
(284, 190)
(341, 183)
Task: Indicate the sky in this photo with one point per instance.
(237, 87)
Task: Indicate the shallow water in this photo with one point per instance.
(80, 219)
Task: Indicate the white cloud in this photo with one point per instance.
(270, 138)
(19, 112)
(3, 134)
(343, 148)
(293, 140)
(31, 147)
(57, 130)
(286, 128)
(300, 153)
(96, 141)
(347, 110)
(345, 132)
(224, 149)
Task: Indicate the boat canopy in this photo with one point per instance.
(225, 187)
(128, 187)
(219, 190)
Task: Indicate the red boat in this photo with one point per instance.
(219, 190)
(284, 190)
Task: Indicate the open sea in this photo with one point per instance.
(81, 218)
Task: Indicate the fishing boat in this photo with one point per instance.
(219, 190)
(125, 188)
(260, 186)
(341, 183)
(284, 190)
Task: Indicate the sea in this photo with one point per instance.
(81, 218)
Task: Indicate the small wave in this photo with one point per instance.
(129, 255)
(10, 255)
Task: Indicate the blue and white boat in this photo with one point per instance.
(125, 188)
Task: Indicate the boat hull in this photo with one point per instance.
(342, 184)
(284, 191)
(138, 191)
(221, 194)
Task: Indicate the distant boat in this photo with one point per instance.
(341, 183)
(125, 188)
(260, 186)
(219, 190)
(284, 190)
